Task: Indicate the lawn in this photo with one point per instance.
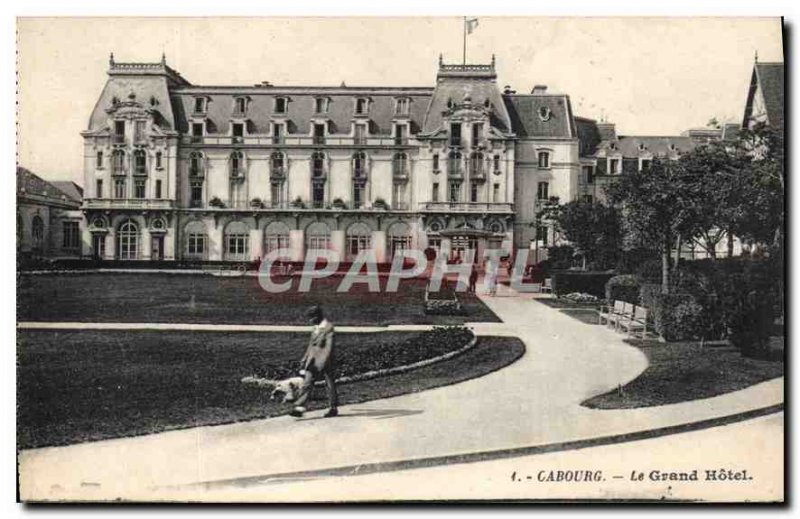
(78, 386)
(684, 371)
(190, 298)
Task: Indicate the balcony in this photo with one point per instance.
(119, 171)
(292, 140)
(467, 207)
(140, 172)
(400, 174)
(477, 174)
(197, 173)
(319, 139)
(278, 139)
(127, 203)
(401, 141)
(277, 174)
(237, 175)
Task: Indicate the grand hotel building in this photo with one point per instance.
(177, 171)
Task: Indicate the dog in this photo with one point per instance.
(285, 390)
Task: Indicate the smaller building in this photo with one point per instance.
(48, 217)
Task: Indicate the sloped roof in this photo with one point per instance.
(30, 185)
(455, 90)
(301, 107)
(526, 120)
(588, 136)
(71, 189)
(770, 77)
(629, 145)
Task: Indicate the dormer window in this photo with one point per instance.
(319, 133)
(281, 105)
(321, 105)
(644, 165)
(240, 105)
(400, 134)
(362, 106)
(544, 113)
(198, 129)
(237, 131)
(641, 147)
(544, 159)
(401, 106)
(200, 105)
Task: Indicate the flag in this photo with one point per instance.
(471, 24)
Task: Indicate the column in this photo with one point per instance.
(256, 244)
(337, 243)
(146, 245)
(296, 238)
(379, 246)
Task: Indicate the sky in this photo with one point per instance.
(650, 76)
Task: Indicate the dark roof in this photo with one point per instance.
(454, 89)
(770, 77)
(34, 187)
(588, 136)
(70, 188)
(629, 145)
(526, 120)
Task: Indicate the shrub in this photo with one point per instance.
(559, 257)
(257, 203)
(594, 283)
(380, 203)
(650, 271)
(298, 203)
(338, 203)
(677, 317)
(632, 259)
(216, 202)
(623, 288)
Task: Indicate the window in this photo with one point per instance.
(321, 105)
(399, 238)
(140, 162)
(473, 191)
(196, 194)
(196, 244)
(476, 165)
(240, 105)
(319, 134)
(401, 106)
(542, 189)
(318, 165)
(455, 134)
(541, 234)
(159, 157)
(455, 192)
(98, 189)
(361, 105)
(276, 236)
(399, 196)
(119, 132)
(588, 199)
(544, 159)
(496, 163)
(237, 164)
(196, 164)
(359, 238)
(37, 233)
(435, 162)
(613, 166)
(70, 238)
(588, 174)
(197, 131)
(360, 134)
(276, 193)
(358, 195)
(318, 236)
(138, 131)
(496, 193)
(277, 168)
(400, 134)
(238, 132)
(139, 189)
(99, 159)
(435, 192)
(277, 133)
(128, 241)
(158, 188)
(199, 105)
(280, 105)
(359, 164)
(400, 165)
(237, 246)
(318, 195)
(477, 132)
(118, 162)
(645, 165)
(119, 188)
(454, 164)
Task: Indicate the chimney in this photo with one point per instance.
(539, 90)
(608, 131)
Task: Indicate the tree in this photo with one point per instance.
(594, 229)
(658, 208)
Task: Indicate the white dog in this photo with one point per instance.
(286, 390)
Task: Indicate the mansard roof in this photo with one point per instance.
(658, 146)
(541, 115)
(31, 186)
(768, 78)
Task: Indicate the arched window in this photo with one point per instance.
(398, 237)
(128, 240)
(318, 164)
(237, 242)
(359, 238)
(318, 236)
(237, 164)
(118, 162)
(276, 236)
(196, 166)
(454, 164)
(400, 165)
(139, 162)
(196, 241)
(37, 233)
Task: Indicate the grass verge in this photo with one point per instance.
(76, 386)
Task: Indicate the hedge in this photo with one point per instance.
(623, 288)
(594, 283)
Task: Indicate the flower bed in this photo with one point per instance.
(443, 303)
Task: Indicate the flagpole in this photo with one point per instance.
(464, 61)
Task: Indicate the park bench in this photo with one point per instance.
(609, 310)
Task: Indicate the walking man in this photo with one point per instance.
(318, 360)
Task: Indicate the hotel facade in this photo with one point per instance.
(177, 171)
